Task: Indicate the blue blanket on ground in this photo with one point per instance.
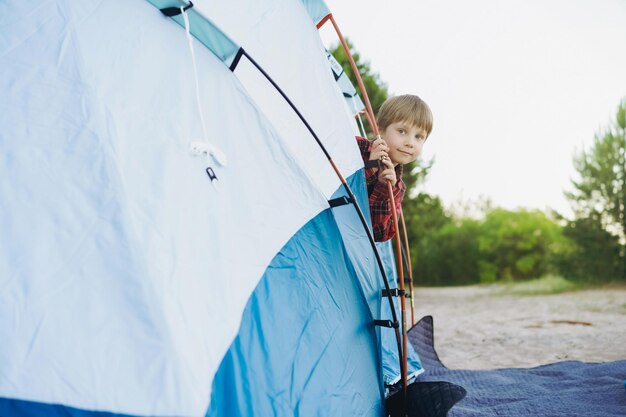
(568, 388)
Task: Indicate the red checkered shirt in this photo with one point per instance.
(380, 209)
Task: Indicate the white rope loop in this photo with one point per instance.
(205, 146)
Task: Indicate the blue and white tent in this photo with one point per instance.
(166, 242)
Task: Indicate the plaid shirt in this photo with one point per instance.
(380, 209)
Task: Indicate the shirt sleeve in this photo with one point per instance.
(365, 146)
(380, 209)
(378, 194)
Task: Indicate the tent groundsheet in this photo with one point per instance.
(570, 388)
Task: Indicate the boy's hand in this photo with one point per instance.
(378, 150)
(388, 172)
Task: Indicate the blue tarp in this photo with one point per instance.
(569, 388)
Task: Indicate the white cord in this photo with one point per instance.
(206, 147)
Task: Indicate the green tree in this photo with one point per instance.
(601, 187)
(517, 245)
(425, 216)
(595, 253)
(453, 256)
(501, 246)
(599, 194)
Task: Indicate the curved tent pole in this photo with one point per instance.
(394, 215)
(225, 49)
(369, 113)
(394, 322)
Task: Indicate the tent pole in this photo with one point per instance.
(399, 340)
(400, 269)
(369, 113)
(409, 267)
(374, 125)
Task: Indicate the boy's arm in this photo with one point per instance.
(378, 194)
(371, 179)
(380, 209)
(371, 176)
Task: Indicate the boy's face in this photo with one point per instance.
(405, 142)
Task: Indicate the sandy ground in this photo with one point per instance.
(482, 328)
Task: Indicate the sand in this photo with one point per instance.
(480, 327)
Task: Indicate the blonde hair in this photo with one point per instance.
(405, 108)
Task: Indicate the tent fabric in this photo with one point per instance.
(316, 9)
(390, 361)
(307, 345)
(362, 256)
(124, 271)
(270, 21)
(353, 101)
(10, 407)
(278, 34)
(568, 388)
(205, 31)
(284, 359)
(357, 243)
(127, 270)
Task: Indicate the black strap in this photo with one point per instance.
(175, 11)
(372, 164)
(236, 60)
(340, 201)
(394, 292)
(387, 323)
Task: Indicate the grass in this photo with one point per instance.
(547, 285)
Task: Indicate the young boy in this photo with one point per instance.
(404, 122)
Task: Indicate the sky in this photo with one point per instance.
(517, 87)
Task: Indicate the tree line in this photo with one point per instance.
(493, 244)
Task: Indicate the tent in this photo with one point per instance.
(168, 246)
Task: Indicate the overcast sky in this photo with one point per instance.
(516, 86)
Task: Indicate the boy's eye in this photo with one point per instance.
(401, 130)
